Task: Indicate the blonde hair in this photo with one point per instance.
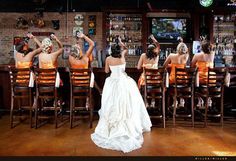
(47, 44)
(76, 52)
(182, 48)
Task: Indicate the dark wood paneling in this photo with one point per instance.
(5, 88)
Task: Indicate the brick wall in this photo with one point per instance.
(8, 31)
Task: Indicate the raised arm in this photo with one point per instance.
(155, 41)
(31, 36)
(36, 51)
(91, 43)
(125, 49)
(60, 50)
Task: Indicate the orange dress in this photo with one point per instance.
(47, 65)
(203, 70)
(79, 66)
(172, 72)
(141, 81)
(24, 64)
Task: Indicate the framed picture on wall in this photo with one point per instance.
(66, 52)
(92, 25)
(77, 29)
(18, 39)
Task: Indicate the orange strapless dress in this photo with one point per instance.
(48, 65)
(79, 66)
(172, 72)
(24, 64)
(203, 70)
(141, 81)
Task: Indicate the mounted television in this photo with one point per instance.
(169, 29)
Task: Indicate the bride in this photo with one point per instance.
(123, 115)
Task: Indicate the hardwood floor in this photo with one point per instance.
(180, 141)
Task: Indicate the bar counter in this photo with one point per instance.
(100, 76)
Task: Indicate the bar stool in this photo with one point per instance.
(184, 89)
(80, 90)
(154, 90)
(20, 91)
(213, 89)
(230, 89)
(46, 90)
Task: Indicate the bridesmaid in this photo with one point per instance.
(203, 61)
(47, 58)
(79, 60)
(24, 54)
(177, 60)
(149, 59)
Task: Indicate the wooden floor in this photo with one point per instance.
(180, 141)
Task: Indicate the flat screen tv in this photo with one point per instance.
(169, 29)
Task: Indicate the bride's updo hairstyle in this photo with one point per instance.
(115, 51)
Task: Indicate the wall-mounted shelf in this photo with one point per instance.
(129, 28)
(224, 34)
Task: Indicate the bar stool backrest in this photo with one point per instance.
(20, 91)
(80, 90)
(215, 83)
(80, 79)
(154, 81)
(19, 76)
(45, 77)
(232, 72)
(185, 80)
(155, 90)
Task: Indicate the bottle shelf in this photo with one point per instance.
(126, 21)
(137, 31)
(129, 28)
(224, 33)
(127, 43)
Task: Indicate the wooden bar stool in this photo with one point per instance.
(46, 91)
(213, 89)
(20, 91)
(184, 89)
(80, 90)
(230, 102)
(155, 90)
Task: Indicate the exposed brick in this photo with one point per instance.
(8, 31)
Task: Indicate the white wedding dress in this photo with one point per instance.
(123, 115)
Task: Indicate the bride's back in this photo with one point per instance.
(115, 61)
(116, 65)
